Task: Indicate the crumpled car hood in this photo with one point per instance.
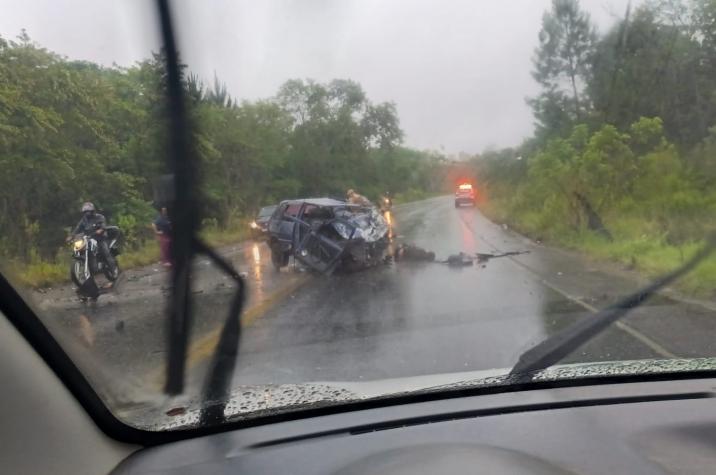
(248, 402)
(370, 224)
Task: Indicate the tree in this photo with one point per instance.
(74, 131)
(562, 64)
(381, 126)
(646, 67)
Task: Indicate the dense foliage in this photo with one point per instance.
(72, 131)
(622, 161)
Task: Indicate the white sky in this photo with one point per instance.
(458, 70)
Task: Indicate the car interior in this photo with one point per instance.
(53, 421)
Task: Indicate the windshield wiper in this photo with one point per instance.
(562, 343)
(180, 190)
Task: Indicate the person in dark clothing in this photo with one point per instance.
(93, 223)
(163, 229)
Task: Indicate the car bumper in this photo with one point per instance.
(464, 200)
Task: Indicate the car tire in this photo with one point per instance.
(457, 205)
(279, 258)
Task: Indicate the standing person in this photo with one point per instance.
(357, 199)
(163, 229)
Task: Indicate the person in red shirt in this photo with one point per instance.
(163, 229)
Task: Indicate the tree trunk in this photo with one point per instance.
(594, 221)
(572, 76)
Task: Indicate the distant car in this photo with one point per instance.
(465, 194)
(326, 234)
(259, 226)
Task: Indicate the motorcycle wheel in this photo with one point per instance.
(78, 274)
(111, 275)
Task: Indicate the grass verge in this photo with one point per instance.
(39, 273)
(635, 246)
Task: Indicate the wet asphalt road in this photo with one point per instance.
(403, 319)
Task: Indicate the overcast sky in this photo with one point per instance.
(459, 71)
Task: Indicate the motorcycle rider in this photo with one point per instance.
(386, 202)
(93, 223)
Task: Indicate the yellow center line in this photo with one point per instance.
(203, 347)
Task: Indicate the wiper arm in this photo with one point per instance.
(562, 343)
(182, 198)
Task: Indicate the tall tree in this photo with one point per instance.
(652, 65)
(562, 65)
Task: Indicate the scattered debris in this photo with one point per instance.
(486, 257)
(411, 252)
(459, 260)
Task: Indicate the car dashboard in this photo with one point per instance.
(635, 428)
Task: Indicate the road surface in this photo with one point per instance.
(402, 319)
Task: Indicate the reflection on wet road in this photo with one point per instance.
(403, 319)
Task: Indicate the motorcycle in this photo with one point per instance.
(386, 203)
(87, 261)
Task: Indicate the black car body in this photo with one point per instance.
(326, 234)
(259, 226)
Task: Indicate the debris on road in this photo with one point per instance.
(459, 260)
(486, 257)
(411, 252)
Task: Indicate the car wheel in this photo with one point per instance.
(457, 205)
(279, 258)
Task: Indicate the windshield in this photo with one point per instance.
(267, 211)
(453, 184)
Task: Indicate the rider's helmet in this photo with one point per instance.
(88, 207)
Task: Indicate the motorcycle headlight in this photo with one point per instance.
(253, 225)
(79, 244)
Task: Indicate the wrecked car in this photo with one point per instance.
(326, 234)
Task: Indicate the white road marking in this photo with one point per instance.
(629, 330)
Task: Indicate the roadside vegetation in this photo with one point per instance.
(74, 131)
(623, 161)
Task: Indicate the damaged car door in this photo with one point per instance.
(281, 229)
(316, 245)
(340, 235)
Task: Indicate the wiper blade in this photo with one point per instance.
(562, 343)
(182, 199)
